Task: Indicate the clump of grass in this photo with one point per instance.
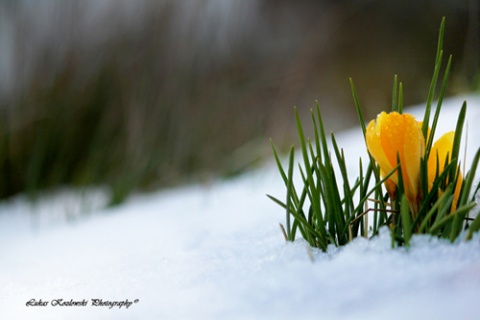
(114, 116)
(330, 209)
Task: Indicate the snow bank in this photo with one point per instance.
(216, 252)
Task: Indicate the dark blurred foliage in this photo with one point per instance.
(146, 94)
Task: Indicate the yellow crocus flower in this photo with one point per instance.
(443, 149)
(395, 136)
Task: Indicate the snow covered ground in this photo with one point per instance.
(216, 252)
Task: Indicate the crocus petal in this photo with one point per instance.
(396, 136)
(413, 151)
(442, 149)
(374, 145)
(389, 185)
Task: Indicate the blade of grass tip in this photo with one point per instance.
(323, 137)
(289, 192)
(438, 62)
(317, 135)
(282, 172)
(439, 106)
(279, 163)
(458, 138)
(441, 33)
(400, 98)
(357, 106)
(283, 232)
(431, 92)
(280, 203)
(395, 94)
(406, 223)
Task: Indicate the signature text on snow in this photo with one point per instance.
(81, 303)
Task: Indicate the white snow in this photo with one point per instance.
(217, 252)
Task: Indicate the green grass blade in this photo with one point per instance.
(289, 192)
(279, 163)
(428, 217)
(439, 107)
(318, 145)
(464, 198)
(282, 172)
(323, 137)
(433, 84)
(364, 129)
(357, 106)
(443, 211)
(310, 182)
(377, 185)
(467, 183)
(461, 210)
(474, 227)
(349, 206)
(333, 209)
(441, 33)
(395, 94)
(458, 139)
(431, 92)
(406, 220)
(432, 195)
(400, 98)
(280, 203)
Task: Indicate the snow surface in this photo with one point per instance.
(216, 252)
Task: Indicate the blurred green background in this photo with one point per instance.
(140, 95)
